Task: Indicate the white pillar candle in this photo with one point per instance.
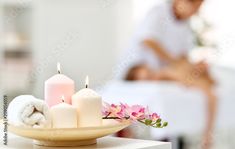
(89, 105)
(64, 115)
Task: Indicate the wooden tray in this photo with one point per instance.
(68, 136)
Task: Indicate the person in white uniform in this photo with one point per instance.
(169, 33)
(163, 40)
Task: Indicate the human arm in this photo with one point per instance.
(158, 50)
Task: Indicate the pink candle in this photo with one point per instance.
(57, 86)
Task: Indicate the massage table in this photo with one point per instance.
(183, 107)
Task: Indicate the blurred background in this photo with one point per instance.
(88, 36)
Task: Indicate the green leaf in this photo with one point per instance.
(165, 124)
(148, 122)
(159, 120)
(158, 125)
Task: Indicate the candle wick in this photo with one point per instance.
(87, 81)
(58, 68)
(62, 99)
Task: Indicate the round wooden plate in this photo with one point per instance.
(68, 136)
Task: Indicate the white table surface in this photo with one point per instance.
(17, 142)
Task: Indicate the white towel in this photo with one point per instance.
(26, 110)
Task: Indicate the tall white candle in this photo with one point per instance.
(64, 115)
(89, 105)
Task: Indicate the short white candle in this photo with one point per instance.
(64, 115)
(89, 105)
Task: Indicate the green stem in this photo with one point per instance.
(107, 115)
(141, 121)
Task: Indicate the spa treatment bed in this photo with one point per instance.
(184, 108)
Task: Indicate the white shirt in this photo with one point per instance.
(160, 25)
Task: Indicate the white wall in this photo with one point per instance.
(220, 13)
(92, 52)
(103, 28)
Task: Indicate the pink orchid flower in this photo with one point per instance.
(154, 116)
(117, 110)
(105, 109)
(114, 110)
(137, 112)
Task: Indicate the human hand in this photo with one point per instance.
(202, 66)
